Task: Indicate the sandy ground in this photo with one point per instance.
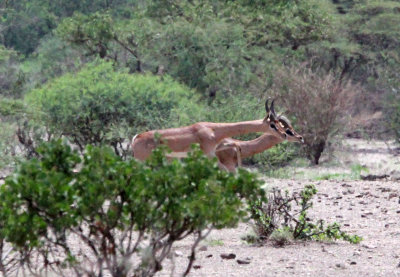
(370, 209)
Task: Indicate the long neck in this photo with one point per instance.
(225, 130)
(258, 145)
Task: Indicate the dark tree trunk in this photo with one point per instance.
(317, 151)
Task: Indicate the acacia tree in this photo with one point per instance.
(98, 35)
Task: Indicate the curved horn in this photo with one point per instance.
(272, 108)
(266, 106)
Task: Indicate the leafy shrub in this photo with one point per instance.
(280, 237)
(12, 79)
(127, 214)
(371, 26)
(52, 58)
(7, 144)
(95, 32)
(277, 218)
(320, 104)
(24, 25)
(11, 115)
(21, 135)
(99, 105)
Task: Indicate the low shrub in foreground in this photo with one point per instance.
(125, 216)
(284, 217)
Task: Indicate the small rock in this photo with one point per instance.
(197, 266)
(209, 256)
(245, 261)
(346, 224)
(398, 265)
(356, 253)
(340, 266)
(346, 185)
(203, 248)
(395, 176)
(366, 214)
(393, 195)
(368, 246)
(353, 263)
(351, 191)
(228, 256)
(178, 254)
(398, 211)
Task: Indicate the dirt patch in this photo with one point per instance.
(370, 209)
(374, 157)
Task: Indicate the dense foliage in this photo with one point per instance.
(98, 105)
(127, 214)
(222, 50)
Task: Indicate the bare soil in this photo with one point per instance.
(370, 209)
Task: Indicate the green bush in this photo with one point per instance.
(23, 26)
(12, 79)
(278, 156)
(284, 217)
(20, 135)
(127, 214)
(52, 58)
(99, 105)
